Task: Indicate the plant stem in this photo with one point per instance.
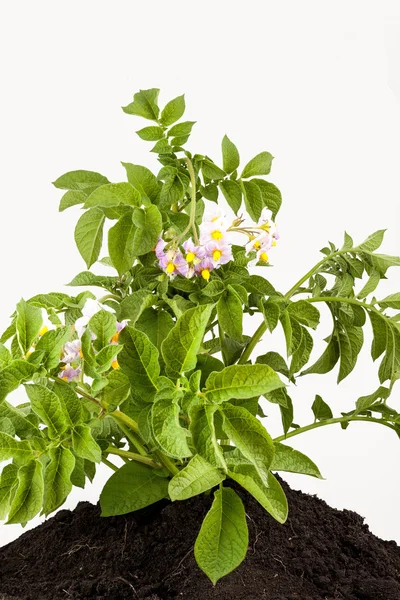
(118, 415)
(132, 456)
(346, 301)
(346, 419)
(252, 343)
(192, 216)
(109, 464)
(312, 271)
(133, 438)
(167, 463)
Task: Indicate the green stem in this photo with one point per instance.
(109, 297)
(346, 419)
(252, 343)
(222, 342)
(346, 301)
(312, 271)
(132, 456)
(118, 415)
(167, 463)
(192, 216)
(133, 438)
(109, 464)
(77, 389)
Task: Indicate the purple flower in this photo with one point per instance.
(159, 249)
(173, 263)
(219, 252)
(68, 373)
(72, 351)
(204, 268)
(194, 254)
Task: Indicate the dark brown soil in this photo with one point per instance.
(319, 553)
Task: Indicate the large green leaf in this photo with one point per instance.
(241, 381)
(8, 480)
(156, 324)
(232, 193)
(70, 403)
(304, 313)
(132, 487)
(230, 314)
(29, 495)
(120, 243)
(250, 437)
(57, 478)
(29, 322)
(51, 343)
(142, 180)
(23, 426)
(46, 404)
(167, 431)
(197, 477)
(12, 448)
(173, 111)
(84, 445)
(117, 390)
(80, 180)
(327, 360)
(350, 343)
(259, 165)
(13, 375)
(182, 344)
(139, 361)
(89, 235)
(372, 242)
(252, 199)
(204, 437)
(144, 104)
(293, 461)
(72, 198)
(271, 196)
(223, 538)
(148, 224)
(230, 155)
(114, 194)
(103, 325)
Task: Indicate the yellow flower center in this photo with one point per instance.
(217, 254)
(80, 354)
(257, 245)
(43, 330)
(114, 339)
(205, 274)
(115, 364)
(217, 235)
(274, 243)
(64, 378)
(266, 227)
(170, 267)
(264, 257)
(190, 256)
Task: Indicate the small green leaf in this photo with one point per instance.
(182, 344)
(180, 129)
(156, 324)
(70, 403)
(230, 314)
(13, 375)
(250, 437)
(271, 196)
(117, 390)
(72, 198)
(372, 242)
(29, 495)
(259, 165)
(151, 134)
(370, 285)
(114, 194)
(8, 481)
(365, 402)
(391, 301)
(12, 448)
(204, 437)
(380, 331)
(197, 477)
(304, 313)
(132, 487)
(232, 193)
(104, 325)
(144, 104)
(271, 313)
(139, 361)
(89, 235)
(230, 155)
(142, 180)
(80, 180)
(321, 409)
(291, 460)
(259, 285)
(149, 225)
(327, 360)
(29, 322)
(350, 343)
(52, 343)
(241, 382)
(173, 111)
(84, 445)
(168, 433)
(57, 478)
(133, 305)
(223, 538)
(252, 199)
(46, 404)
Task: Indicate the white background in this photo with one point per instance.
(315, 83)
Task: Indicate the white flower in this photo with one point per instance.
(72, 351)
(91, 308)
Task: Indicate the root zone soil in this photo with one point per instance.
(320, 553)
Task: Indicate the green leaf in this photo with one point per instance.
(391, 301)
(271, 314)
(372, 242)
(133, 305)
(252, 199)
(132, 487)
(173, 111)
(70, 403)
(144, 104)
(80, 180)
(5, 356)
(29, 495)
(57, 478)
(271, 196)
(149, 225)
(321, 409)
(8, 480)
(370, 285)
(72, 198)
(381, 262)
(167, 431)
(84, 445)
(142, 180)
(304, 313)
(269, 494)
(365, 402)
(230, 314)
(258, 285)
(230, 155)
(380, 332)
(114, 194)
(250, 437)
(104, 325)
(241, 382)
(13, 375)
(183, 342)
(156, 324)
(12, 448)
(180, 129)
(259, 165)
(203, 433)
(291, 460)
(117, 390)
(87, 278)
(151, 134)
(139, 361)
(223, 538)
(46, 404)
(232, 193)
(52, 343)
(162, 147)
(89, 235)
(275, 361)
(29, 322)
(350, 343)
(327, 360)
(6, 426)
(197, 477)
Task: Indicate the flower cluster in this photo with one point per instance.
(72, 355)
(214, 246)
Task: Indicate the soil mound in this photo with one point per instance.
(320, 553)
